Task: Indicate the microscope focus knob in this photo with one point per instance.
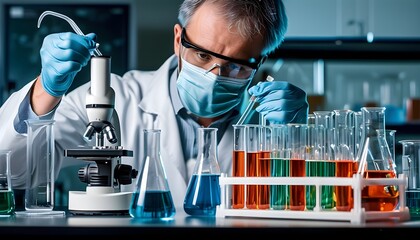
(124, 173)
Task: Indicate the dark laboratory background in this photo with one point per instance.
(343, 53)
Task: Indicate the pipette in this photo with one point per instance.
(251, 103)
(96, 51)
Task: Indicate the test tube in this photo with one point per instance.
(279, 194)
(344, 156)
(326, 165)
(252, 149)
(296, 142)
(264, 166)
(238, 166)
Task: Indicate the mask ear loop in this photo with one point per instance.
(96, 51)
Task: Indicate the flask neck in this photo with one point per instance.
(373, 122)
(207, 152)
(151, 143)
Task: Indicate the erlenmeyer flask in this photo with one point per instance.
(375, 161)
(203, 192)
(152, 197)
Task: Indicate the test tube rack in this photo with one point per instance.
(357, 215)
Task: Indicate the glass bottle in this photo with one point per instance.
(203, 192)
(375, 161)
(152, 198)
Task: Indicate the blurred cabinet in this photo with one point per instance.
(353, 18)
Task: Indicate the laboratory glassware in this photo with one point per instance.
(203, 191)
(345, 164)
(253, 141)
(375, 161)
(279, 194)
(324, 164)
(7, 199)
(40, 155)
(238, 166)
(296, 144)
(264, 166)
(152, 198)
(410, 167)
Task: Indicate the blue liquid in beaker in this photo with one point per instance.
(203, 195)
(157, 205)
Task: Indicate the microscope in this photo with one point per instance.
(104, 174)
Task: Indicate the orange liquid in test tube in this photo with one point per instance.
(264, 170)
(297, 192)
(238, 193)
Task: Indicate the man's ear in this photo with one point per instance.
(177, 38)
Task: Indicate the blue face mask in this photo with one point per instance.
(206, 94)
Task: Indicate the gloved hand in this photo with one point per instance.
(62, 56)
(281, 102)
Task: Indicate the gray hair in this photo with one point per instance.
(264, 17)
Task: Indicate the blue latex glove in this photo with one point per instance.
(62, 56)
(281, 102)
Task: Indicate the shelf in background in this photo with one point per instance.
(350, 48)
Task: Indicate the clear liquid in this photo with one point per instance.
(7, 203)
(203, 195)
(157, 205)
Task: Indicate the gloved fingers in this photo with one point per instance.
(282, 94)
(281, 105)
(263, 88)
(81, 46)
(284, 117)
(60, 55)
(62, 68)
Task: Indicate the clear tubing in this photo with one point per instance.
(96, 51)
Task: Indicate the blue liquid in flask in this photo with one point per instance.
(203, 195)
(157, 205)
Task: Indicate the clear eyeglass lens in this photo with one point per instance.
(210, 62)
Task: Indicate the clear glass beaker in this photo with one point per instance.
(238, 166)
(152, 198)
(7, 199)
(410, 167)
(203, 192)
(39, 192)
(375, 161)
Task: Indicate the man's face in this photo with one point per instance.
(208, 30)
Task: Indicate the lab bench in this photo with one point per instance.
(195, 227)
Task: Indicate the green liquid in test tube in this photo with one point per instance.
(279, 194)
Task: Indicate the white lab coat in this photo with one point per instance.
(142, 102)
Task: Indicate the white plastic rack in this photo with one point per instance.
(357, 215)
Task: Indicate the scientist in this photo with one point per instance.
(218, 47)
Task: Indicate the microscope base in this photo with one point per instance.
(99, 201)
